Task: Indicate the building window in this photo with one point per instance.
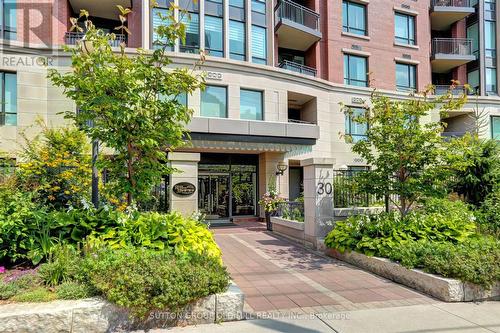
(406, 77)
(214, 102)
(473, 33)
(237, 40)
(491, 80)
(473, 80)
(192, 22)
(404, 29)
(495, 127)
(355, 70)
(353, 127)
(259, 45)
(490, 44)
(9, 19)
(251, 104)
(214, 37)
(157, 22)
(8, 114)
(353, 18)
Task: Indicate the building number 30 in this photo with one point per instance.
(325, 188)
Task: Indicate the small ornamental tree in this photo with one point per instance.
(127, 102)
(405, 152)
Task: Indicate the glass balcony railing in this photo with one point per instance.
(299, 14)
(451, 3)
(71, 38)
(455, 90)
(298, 68)
(452, 46)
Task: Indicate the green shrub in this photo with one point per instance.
(161, 232)
(19, 285)
(74, 290)
(143, 280)
(61, 268)
(39, 294)
(439, 220)
(476, 260)
(7, 290)
(489, 214)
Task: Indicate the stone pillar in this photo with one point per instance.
(187, 166)
(318, 199)
(267, 174)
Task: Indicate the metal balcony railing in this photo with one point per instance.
(71, 38)
(294, 12)
(451, 3)
(452, 46)
(298, 68)
(457, 90)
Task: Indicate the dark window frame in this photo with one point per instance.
(403, 40)
(262, 98)
(3, 113)
(349, 80)
(415, 75)
(226, 103)
(349, 120)
(345, 25)
(492, 129)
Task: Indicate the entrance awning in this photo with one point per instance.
(258, 147)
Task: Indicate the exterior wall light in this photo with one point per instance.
(281, 168)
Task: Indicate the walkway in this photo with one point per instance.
(277, 275)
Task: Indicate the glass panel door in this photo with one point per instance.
(213, 195)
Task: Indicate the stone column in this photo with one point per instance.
(318, 199)
(187, 164)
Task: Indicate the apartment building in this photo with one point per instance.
(277, 72)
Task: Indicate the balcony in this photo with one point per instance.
(72, 38)
(99, 8)
(456, 90)
(448, 53)
(297, 68)
(446, 12)
(297, 27)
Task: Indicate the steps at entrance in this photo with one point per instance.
(237, 220)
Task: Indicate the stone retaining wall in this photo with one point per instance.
(449, 290)
(98, 316)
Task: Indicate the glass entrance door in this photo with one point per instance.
(213, 195)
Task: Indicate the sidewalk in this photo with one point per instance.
(438, 317)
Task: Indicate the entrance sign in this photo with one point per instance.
(184, 189)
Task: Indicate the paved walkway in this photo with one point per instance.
(437, 318)
(277, 275)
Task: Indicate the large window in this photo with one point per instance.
(355, 70)
(237, 40)
(214, 37)
(406, 77)
(473, 33)
(158, 20)
(353, 17)
(8, 19)
(473, 80)
(495, 127)
(214, 102)
(490, 39)
(354, 128)
(404, 29)
(491, 80)
(259, 45)
(251, 104)
(8, 113)
(192, 22)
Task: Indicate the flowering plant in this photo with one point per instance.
(271, 200)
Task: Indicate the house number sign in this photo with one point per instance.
(184, 189)
(215, 76)
(325, 188)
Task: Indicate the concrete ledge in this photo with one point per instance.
(96, 315)
(287, 223)
(448, 290)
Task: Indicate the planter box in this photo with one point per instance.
(96, 315)
(290, 229)
(288, 223)
(445, 289)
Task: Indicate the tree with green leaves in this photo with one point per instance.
(128, 102)
(404, 150)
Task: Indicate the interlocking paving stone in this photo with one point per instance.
(276, 274)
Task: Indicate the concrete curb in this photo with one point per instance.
(448, 290)
(99, 316)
